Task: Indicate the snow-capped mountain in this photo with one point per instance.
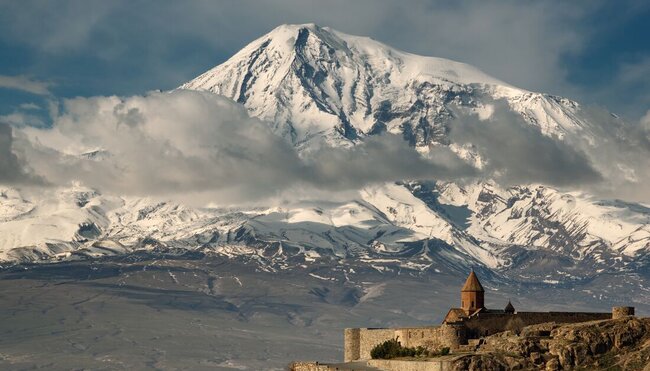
(316, 86)
(314, 83)
(414, 226)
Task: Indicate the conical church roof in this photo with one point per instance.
(509, 308)
(472, 284)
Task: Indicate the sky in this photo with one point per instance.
(596, 51)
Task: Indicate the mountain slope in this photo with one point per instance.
(538, 234)
(314, 83)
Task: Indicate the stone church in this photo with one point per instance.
(464, 325)
(472, 302)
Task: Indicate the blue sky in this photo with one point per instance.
(596, 52)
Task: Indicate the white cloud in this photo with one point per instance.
(192, 142)
(30, 106)
(518, 153)
(645, 121)
(19, 119)
(24, 83)
(621, 152)
(199, 147)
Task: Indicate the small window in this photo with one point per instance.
(462, 303)
(472, 304)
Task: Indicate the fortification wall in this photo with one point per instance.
(433, 338)
(308, 366)
(484, 324)
(359, 342)
(393, 365)
(351, 344)
(618, 312)
(368, 338)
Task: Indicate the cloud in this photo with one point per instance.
(12, 169)
(621, 152)
(520, 42)
(627, 91)
(518, 153)
(609, 157)
(541, 46)
(198, 147)
(29, 106)
(645, 121)
(61, 28)
(633, 85)
(192, 142)
(383, 158)
(24, 83)
(19, 119)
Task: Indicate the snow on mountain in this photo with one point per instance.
(417, 226)
(538, 217)
(313, 82)
(317, 86)
(50, 224)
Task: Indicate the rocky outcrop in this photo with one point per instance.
(600, 345)
(496, 362)
(307, 366)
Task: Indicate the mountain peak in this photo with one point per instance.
(296, 36)
(313, 83)
(296, 27)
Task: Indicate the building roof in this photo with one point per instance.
(472, 284)
(488, 311)
(455, 315)
(509, 308)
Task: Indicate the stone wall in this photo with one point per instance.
(393, 365)
(483, 324)
(433, 338)
(307, 366)
(351, 344)
(368, 338)
(359, 342)
(618, 312)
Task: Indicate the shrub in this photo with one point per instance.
(393, 349)
(388, 349)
